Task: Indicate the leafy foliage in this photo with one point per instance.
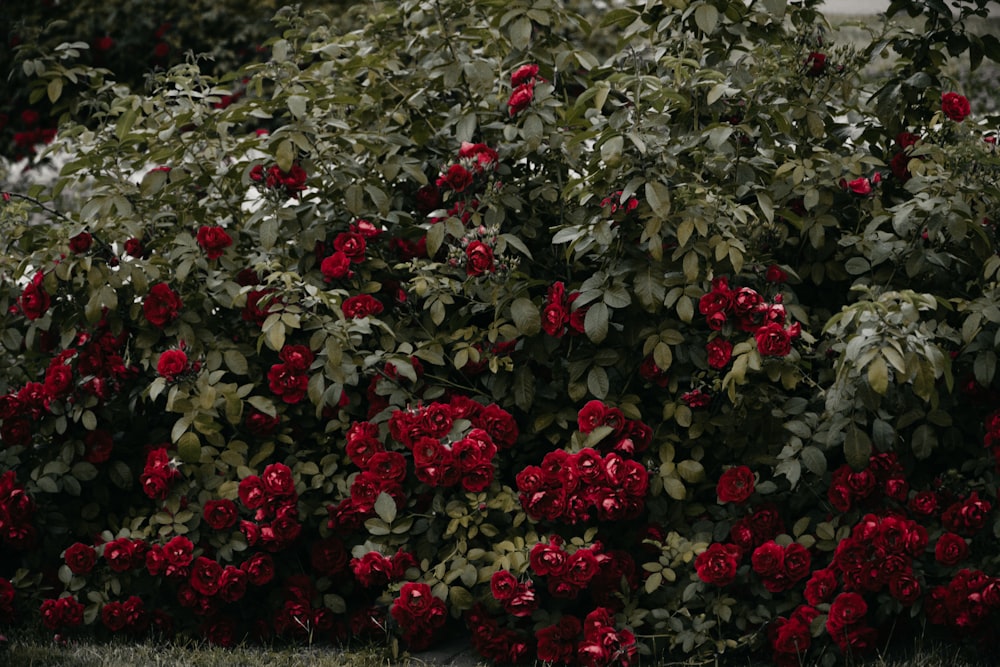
(659, 330)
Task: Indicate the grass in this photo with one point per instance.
(38, 652)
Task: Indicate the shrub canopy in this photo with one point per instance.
(665, 328)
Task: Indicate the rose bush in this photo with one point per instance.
(601, 336)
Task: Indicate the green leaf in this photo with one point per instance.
(924, 441)
(658, 196)
(236, 362)
(297, 106)
(385, 507)
(520, 33)
(598, 382)
(595, 323)
(189, 447)
(435, 237)
(814, 460)
(526, 315)
(285, 155)
(878, 375)
(524, 387)
(706, 16)
(857, 447)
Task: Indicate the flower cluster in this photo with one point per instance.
(290, 183)
(791, 637)
(214, 240)
(375, 571)
(419, 614)
(290, 379)
(558, 315)
(969, 602)
(882, 477)
(878, 554)
(349, 249)
(522, 82)
(574, 487)
(129, 615)
(159, 474)
(274, 501)
(17, 510)
(7, 596)
(780, 567)
(744, 309)
(60, 613)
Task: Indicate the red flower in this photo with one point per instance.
(171, 364)
(736, 485)
(773, 340)
(523, 75)
(220, 514)
(846, 610)
(951, 549)
(80, 558)
(591, 416)
(484, 156)
(503, 585)
(362, 305)
(720, 351)
(458, 178)
(205, 576)
(277, 481)
(298, 358)
(768, 559)
(419, 614)
(521, 97)
(820, 587)
(34, 300)
(287, 383)
(251, 492)
(717, 564)
(478, 259)
(557, 643)
(816, 62)
(955, 106)
(213, 240)
(118, 554)
(328, 556)
(860, 186)
(259, 569)
(161, 305)
(81, 242)
(337, 265)
(775, 274)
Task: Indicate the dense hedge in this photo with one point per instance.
(655, 329)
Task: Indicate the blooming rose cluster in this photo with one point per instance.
(558, 315)
(522, 83)
(879, 554)
(883, 477)
(495, 642)
(129, 615)
(34, 301)
(419, 614)
(474, 161)
(516, 597)
(845, 624)
(791, 637)
(626, 436)
(173, 365)
(900, 160)
(297, 617)
(16, 512)
(349, 249)
(744, 309)
(60, 613)
(274, 501)
(291, 183)
(159, 474)
(780, 567)
(290, 379)
(92, 367)
(967, 603)
(161, 306)
(615, 207)
(575, 487)
(567, 574)
(373, 570)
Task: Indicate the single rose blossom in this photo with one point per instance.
(816, 63)
(720, 351)
(521, 97)
(478, 259)
(523, 74)
(736, 485)
(171, 364)
(955, 106)
(213, 240)
(81, 243)
(162, 305)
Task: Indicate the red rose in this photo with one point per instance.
(499, 424)
(80, 558)
(523, 75)
(97, 446)
(859, 186)
(591, 416)
(581, 567)
(951, 549)
(251, 492)
(768, 560)
(260, 424)
(521, 97)
(773, 340)
(233, 584)
(213, 240)
(717, 564)
(113, 616)
(161, 305)
(287, 383)
(253, 311)
(736, 485)
(133, 248)
(34, 301)
(548, 558)
(171, 364)
(297, 357)
(523, 603)
(81, 242)
(955, 106)
(554, 319)
(816, 63)
(846, 610)
(337, 265)
(220, 514)
(416, 609)
(503, 585)
(775, 274)
(353, 245)
(205, 576)
(458, 178)
(362, 305)
(15, 432)
(277, 480)
(259, 569)
(820, 587)
(719, 351)
(478, 259)
(118, 554)
(428, 198)
(797, 562)
(557, 643)
(328, 556)
(904, 587)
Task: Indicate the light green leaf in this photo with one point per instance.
(385, 507)
(706, 16)
(526, 315)
(595, 323)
